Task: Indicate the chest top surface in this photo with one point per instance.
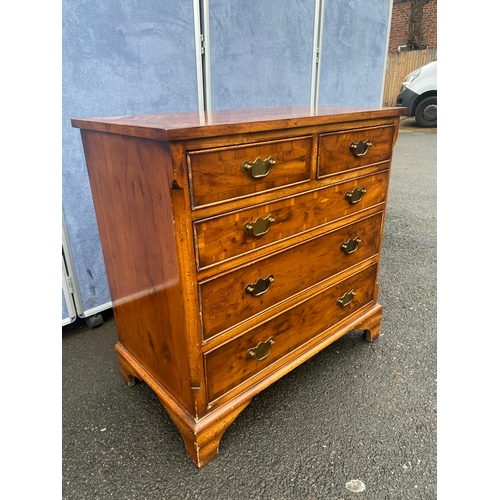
(189, 125)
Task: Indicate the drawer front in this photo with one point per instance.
(226, 173)
(245, 292)
(234, 362)
(221, 238)
(340, 151)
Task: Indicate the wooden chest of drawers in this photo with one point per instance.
(237, 245)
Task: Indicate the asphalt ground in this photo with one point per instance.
(357, 411)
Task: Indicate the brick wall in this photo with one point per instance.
(400, 24)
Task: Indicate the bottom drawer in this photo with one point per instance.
(232, 363)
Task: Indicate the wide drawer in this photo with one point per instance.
(247, 291)
(340, 151)
(234, 362)
(223, 237)
(231, 172)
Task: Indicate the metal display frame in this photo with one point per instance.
(71, 290)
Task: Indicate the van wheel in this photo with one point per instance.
(426, 112)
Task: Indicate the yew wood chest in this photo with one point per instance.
(237, 245)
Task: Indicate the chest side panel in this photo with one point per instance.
(130, 180)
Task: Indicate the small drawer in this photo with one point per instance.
(233, 363)
(226, 173)
(223, 237)
(236, 296)
(340, 151)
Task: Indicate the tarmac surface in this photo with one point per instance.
(358, 420)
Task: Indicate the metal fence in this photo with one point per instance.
(399, 64)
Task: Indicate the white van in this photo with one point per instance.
(419, 95)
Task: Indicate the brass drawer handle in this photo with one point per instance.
(258, 168)
(346, 299)
(354, 196)
(260, 227)
(260, 287)
(350, 246)
(359, 148)
(262, 351)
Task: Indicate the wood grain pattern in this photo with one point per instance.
(216, 175)
(222, 237)
(336, 155)
(195, 125)
(228, 366)
(370, 315)
(224, 302)
(171, 202)
(130, 189)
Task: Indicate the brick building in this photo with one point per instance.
(400, 24)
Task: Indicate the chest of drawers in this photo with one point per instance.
(237, 245)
